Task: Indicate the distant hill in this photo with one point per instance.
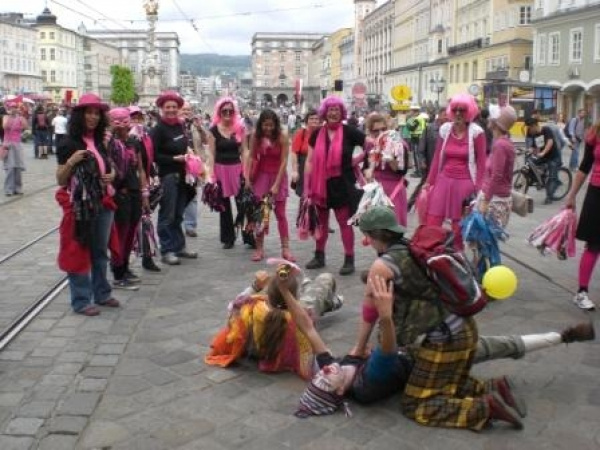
(207, 64)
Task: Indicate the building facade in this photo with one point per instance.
(132, 46)
(567, 53)
(279, 60)
(378, 37)
(19, 67)
(347, 61)
(98, 58)
(362, 8)
(61, 59)
(335, 40)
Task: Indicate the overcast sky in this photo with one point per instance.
(221, 27)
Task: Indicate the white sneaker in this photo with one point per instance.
(583, 301)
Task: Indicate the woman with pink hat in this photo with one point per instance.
(171, 145)
(330, 179)
(495, 197)
(85, 175)
(458, 166)
(13, 124)
(227, 148)
(129, 184)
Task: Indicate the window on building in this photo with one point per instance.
(42, 35)
(52, 35)
(44, 76)
(298, 56)
(298, 70)
(52, 76)
(541, 49)
(43, 54)
(451, 74)
(457, 73)
(597, 42)
(474, 69)
(439, 46)
(576, 45)
(52, 54)
(281, 56)
(465, 72)
(281, 83)
(554, 48)
(524, 15)
(527, 63)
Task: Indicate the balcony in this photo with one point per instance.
(469, 46)
(497, 75)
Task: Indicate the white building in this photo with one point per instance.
(377, 48)
(98, 58)
(61, 59)
(133, 48)
(19, 67)
(347, 63)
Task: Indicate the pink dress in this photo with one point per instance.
(393, 185)
(451, 179)
(268, 157)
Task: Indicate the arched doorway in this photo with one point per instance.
(282, 99)
(267, 99)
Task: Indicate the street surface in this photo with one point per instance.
(133, 378)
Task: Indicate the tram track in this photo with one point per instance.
(10, 331)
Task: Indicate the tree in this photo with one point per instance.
(123, 85)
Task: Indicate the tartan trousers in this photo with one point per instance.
(440, 392)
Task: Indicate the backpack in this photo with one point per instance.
(460, 293)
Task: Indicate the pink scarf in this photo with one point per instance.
(325, 164)
(91, 146)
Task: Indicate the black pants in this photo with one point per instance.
(226, 223)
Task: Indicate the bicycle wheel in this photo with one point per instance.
(565, 179)
(520, 182)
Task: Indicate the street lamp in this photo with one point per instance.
(437, 85)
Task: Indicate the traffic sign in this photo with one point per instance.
(401, 92)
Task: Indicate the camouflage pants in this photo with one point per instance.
(319, 295)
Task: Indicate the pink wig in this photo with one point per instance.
(238, 123)
(465, 101)
(330, 101)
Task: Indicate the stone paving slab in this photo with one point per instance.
(134, 378)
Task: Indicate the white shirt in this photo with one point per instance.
(60, 125)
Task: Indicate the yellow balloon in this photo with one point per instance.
(499, 282)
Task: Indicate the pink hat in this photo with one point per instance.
(133, 110)
(169, 96)
(92, 100)
(119, 117)
(506, 119)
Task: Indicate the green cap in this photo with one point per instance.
(380, 218)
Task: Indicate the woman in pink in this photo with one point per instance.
(588, 228)
(13, 124)
(387, 169)
(227, 149)
(458, 165)
(266, 175)
(495, 197)
(330, 178)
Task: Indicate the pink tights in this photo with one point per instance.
(439, 220)
(342, 215)
(586, 267)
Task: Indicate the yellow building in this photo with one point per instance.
(335, 39)
(494, 43)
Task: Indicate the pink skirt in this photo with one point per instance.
(265, 181)
(400, 200)
(229, 176)
(447, 196)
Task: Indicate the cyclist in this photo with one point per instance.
(544, 145)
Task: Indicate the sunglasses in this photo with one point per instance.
(226, 112)
(459, 110)
(376, 131)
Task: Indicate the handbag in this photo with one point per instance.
(521, 204)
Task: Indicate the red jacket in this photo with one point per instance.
(73, 257)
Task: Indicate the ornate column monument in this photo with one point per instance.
(151, 71)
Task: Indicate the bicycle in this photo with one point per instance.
(533, 173)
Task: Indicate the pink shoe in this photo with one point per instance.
(258, 255)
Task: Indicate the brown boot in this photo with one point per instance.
(504, 387)
(501, 411)
(583, 331)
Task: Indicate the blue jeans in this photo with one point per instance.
(170, 214)
(190, 215)
(552, 182)
(574, 160)
(94, 287)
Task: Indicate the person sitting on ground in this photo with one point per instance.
(260, 326)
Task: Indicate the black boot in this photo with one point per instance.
(149, 264)
(348, 266)
(317, 262)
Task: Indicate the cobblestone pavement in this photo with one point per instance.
(133, 378)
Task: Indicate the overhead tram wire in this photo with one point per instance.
(120, 24)
(93, 19)
(194, 26)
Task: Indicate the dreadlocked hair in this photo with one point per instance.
(275, 322)
(86, 197)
